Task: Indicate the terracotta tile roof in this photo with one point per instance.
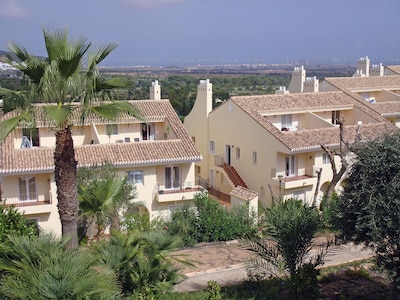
(179, 150)
(244, 193)
(364, 83)
(372, 83)
(387, 109)
(306, 140)
(395, 69)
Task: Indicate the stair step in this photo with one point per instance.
(234, 175)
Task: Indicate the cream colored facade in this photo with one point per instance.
(154, 152)
(274, 141)
(378, 85)
(380, 93)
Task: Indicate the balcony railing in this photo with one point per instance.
(17, 202)
(184, 191)
(295, 181)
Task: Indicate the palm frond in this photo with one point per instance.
(33, 67)
(98, 56)
(8, 125)
(68, 54)
(59, 113)
(113, 110)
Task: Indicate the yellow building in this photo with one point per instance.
(271, 144)
(381, 93)
(156, 153)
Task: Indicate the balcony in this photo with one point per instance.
(39, 206)
(179, 192)
(295, 181)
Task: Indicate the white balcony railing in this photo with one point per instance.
(179, 192)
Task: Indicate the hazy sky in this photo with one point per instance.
(170, 32)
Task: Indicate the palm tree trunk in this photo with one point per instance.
(67, 181)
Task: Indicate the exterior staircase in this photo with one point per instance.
(233, 175)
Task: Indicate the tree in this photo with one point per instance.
(344, 149)
(67, 84)
(102, 194)
(290, 227)
(44, 267)
(368, 209)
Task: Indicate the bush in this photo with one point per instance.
(12, 222)
(328, 210)
(304, 284)
(141, 222)
(213, 290)
(209, 221)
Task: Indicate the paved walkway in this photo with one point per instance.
(237, 273)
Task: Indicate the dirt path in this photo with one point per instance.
(213, 256)
(220, 255)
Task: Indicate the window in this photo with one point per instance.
(286, 122)
(112, 129)
(325, 159)
(135, 177)
(254, 157)
(172, 177)
(27, 188)
(335, 117)
(238, 153)
(30, 137)
(212, 147)
(290, 165)
(147, 131)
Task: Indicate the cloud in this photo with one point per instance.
(13, 9)
(149, 4)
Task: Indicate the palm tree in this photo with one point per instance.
(44, 267)
(142, 261)
(69, 82)
(291, 226)
(101, 199)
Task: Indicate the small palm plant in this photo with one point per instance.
(142, 261)
(290, 226)
(45, 268)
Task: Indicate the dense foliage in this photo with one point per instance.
(141, 262)
(368, 210)
(209, 221)
(12, 222)
(44, 267)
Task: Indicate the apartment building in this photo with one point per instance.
(155, 152)
(272, 143)
(380, 93)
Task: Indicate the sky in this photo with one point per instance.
(189, 32)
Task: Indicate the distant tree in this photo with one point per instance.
(368, 209)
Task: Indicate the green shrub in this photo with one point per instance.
(213, 290)
(328, 210)
(12, 222)
(209, 221)
(304, 284)
(183, 224)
